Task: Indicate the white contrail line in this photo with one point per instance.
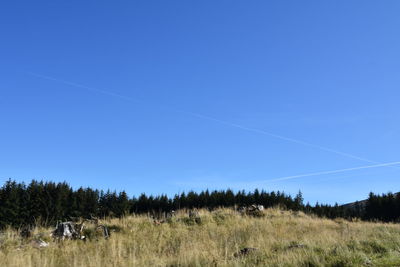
(282, 137)
(254, 130)
(333, 171)
(82, 86)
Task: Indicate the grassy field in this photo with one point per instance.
(282, 238)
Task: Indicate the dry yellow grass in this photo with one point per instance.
(283, 238)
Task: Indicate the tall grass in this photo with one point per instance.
(282, 238)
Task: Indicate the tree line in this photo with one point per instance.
(46, 203)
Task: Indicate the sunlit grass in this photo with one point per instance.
(282, 238)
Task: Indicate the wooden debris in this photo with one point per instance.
(106, 232)
(194, 213)
(68, 230)
(252, 210)
(170, 214)
(26, 232)
(158, 222)
(244, 252)
(296, 245)
(38, 243)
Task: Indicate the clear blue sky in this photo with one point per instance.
(326, 73)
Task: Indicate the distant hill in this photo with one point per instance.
(360, 205)
(356, 205)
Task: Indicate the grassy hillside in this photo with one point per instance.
(282, 238)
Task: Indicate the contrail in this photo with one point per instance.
(202, 116)
(82, 86)
(333, 171)
(282, 137)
